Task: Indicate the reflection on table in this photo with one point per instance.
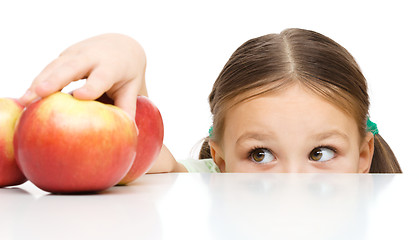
(220, 206)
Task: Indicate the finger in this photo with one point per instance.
(30, 94)
(126, 99)
(28, 97)
(98, 82)
(61, 76)
(54, 77)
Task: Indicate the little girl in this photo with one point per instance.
(289, 102)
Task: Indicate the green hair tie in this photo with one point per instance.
(210, 131)
(372, 127)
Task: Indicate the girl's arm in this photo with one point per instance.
(111, 63)
(166, 163)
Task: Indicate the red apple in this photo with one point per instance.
(10, 174)
(150, 138)
(65, 145)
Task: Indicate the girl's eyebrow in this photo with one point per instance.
(330, 134)
(256, 135)
(259, 135)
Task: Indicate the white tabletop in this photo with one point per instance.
(221, 206)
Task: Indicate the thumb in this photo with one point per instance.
(127, 101)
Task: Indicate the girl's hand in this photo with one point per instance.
(111, 63)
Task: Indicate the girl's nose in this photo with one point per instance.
(295, 166)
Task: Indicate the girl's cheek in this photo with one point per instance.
(341, 164)
(238, 165)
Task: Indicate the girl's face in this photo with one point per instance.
(292, 130)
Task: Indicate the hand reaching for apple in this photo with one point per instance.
(111, 63)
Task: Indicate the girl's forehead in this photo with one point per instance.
(292, 110)
(294, 98)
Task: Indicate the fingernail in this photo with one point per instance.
(135, 124)
(28, 97)
(136, 128)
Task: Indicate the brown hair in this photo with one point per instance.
(273, 61)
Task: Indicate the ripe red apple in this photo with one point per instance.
(150, 138)
(65, 145)
(10, 174)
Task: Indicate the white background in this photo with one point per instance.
(188, 42)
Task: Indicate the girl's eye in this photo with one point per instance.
(322, 154)
(261, 155)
